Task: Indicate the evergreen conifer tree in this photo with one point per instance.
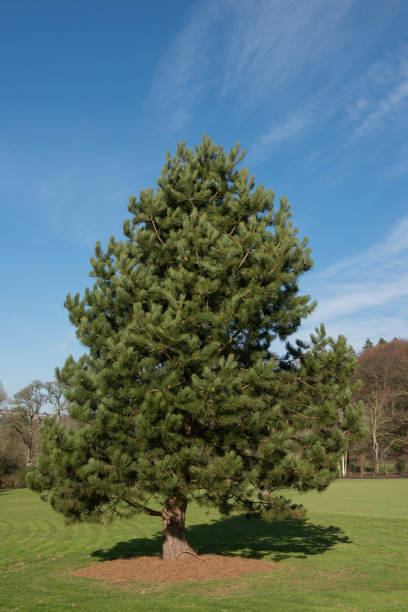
(179, 396)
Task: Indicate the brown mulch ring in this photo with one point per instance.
(191, 569)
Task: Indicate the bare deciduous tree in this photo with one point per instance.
(26, 415)
(55, 397)
(383, 370)
(3, 397)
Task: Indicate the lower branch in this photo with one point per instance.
(142, 508)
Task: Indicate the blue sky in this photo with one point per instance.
(93, 94)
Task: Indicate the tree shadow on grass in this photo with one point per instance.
(237, 535)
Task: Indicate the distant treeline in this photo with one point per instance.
(21, 417)
(382, 370)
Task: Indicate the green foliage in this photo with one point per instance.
(401, 466)
(12, 475)
(8, 464)
(179, 395)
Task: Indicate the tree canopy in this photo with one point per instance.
(179, 395)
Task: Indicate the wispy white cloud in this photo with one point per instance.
(286, 129)
(400, 168)
(384, 108)
(55, 196)
(357, 108)
(294, 62)
(354, 294)
(289, 128)
(389, 253)
(353, 298)
(275, 44)
(183, 72)
(248, 53)
(366, 325)
(359, 105)
(381, 95)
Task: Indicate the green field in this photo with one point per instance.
(351, 554)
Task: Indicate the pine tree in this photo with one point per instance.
(179, 396)
(367, 344)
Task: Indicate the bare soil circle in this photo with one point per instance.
(184, 569)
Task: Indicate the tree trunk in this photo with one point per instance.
(174, 541)
(376, 454)
(343, 465)
(29, 455)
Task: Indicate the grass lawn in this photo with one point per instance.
(351, 554)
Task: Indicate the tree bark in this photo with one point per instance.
(343, 464)
(174, 540)
(375, 453)
(29, 454)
